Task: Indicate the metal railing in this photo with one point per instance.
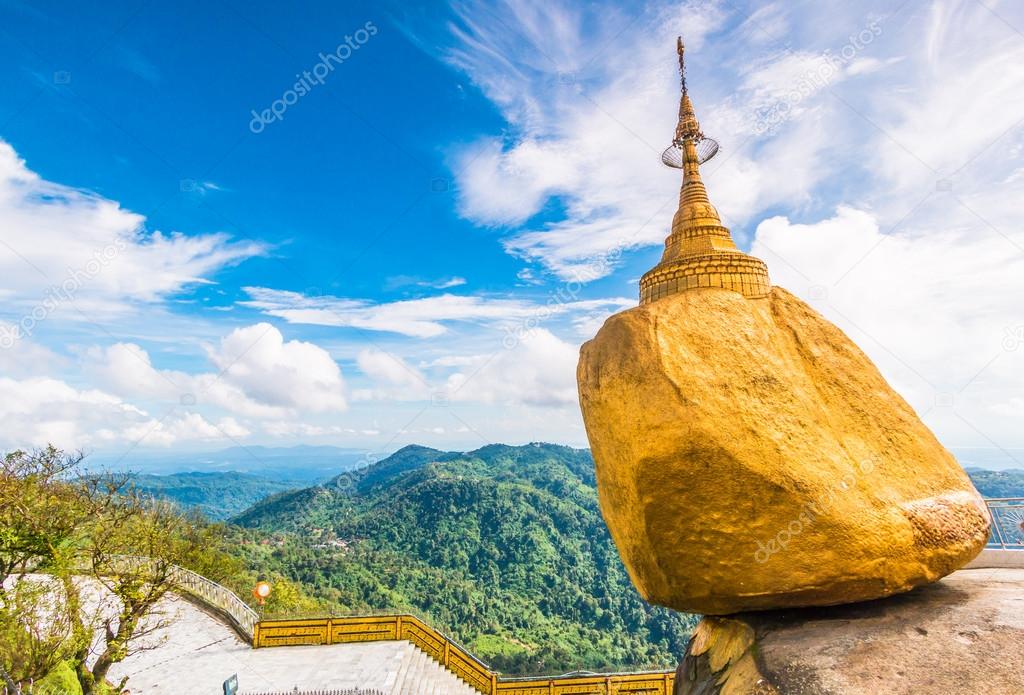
(218, 597)
(206, 591)
(1007, 523)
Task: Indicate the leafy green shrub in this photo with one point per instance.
(60, 681)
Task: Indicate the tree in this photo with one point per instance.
(42, 510)
(62, 531)
(133, 550)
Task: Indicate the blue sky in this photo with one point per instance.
(454, 199)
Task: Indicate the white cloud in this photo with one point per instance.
(445, 283)
(394, 378)
(292, 428)
(539, 370)
(293, 374)
(259, 375)
(41, 410)
(126, 369)
(58, 242)
(20, 356)
(188, 427)
(964, 95)
(419, 318)
(442, 283)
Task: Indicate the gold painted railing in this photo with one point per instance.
(448, 653)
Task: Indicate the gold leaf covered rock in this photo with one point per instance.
(749, 455)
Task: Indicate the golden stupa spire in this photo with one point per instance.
(688, 127)
(700, 251)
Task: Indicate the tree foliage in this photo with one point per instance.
(504, 548)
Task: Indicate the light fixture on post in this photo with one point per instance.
(261, 592)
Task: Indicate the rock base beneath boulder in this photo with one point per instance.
(964, 634)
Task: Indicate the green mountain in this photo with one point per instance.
(217, 495)
(998, 483)
(503, 547)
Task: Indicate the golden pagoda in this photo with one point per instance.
(700, 251)
(748, 455)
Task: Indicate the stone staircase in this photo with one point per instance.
(195, 651)
(421, 675)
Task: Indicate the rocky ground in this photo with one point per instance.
(964, 634)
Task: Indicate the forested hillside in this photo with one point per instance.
(217, 495)
(504, 547)
(998, 483)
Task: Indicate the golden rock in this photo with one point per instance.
(749, 455)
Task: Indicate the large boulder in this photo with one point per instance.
(749, 456)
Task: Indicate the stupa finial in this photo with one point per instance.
(700, 251)
(688, 128)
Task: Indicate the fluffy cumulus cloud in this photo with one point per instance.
(393, 377)
(62, 247)
(293, 375)
(259, 374)
(260, 383)
(41, 410)
(530, 368)
(539, 369)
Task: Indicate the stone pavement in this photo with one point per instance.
(197, 652)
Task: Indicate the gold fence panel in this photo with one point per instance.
(370, 629)
(278, 633)
(281, 633)
(658, 683)
(425, 637)
(469, 669)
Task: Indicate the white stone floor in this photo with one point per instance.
(204, 652)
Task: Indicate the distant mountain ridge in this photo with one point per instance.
(218, 495)
(304, 463)
(994, 484)
(503, 546)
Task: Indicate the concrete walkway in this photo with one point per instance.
(204, 652)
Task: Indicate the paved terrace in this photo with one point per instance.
(198, 652)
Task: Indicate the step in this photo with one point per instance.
(408, 652)
(414, 678)
(391, 668)
(420, 674)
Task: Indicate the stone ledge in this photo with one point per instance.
(964, 634)
(994, 557)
